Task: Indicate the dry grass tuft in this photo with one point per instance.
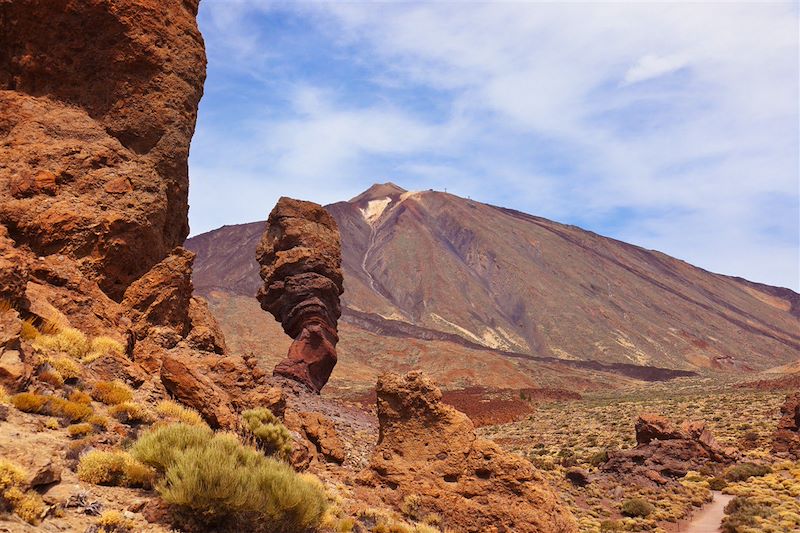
(114, 522)
(131, 413)
(176, 412)
(30, 402)
(77, 431)
(111, 392)
(28, 505)
(114, 468)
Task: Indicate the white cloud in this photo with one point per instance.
(571, 111)
(651, 66)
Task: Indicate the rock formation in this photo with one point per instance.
(428, 449)
(98, 101)
(787, 436)
(665, 451)
(300, 258)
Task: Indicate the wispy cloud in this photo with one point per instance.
(671, 125)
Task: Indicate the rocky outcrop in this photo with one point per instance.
(300, 258)
(665, 451)
(787, 436)
(429, 450)
(98, 101)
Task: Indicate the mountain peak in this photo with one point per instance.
(378, 191)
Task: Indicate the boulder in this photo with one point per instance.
(98, 101)
(429, 449)
(13, 270)
(300, 258)
(206, 334)
(15, 373)
(787, 436)
(318, 430)
(666, 452)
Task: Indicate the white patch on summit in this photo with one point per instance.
(375, 209)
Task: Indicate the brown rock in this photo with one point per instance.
(186, 380)
(95, 129)
(13, 270)
(787, 436)
(46, 474)
(206, 334)
(431, 450)
(15, 373)
(300, 258)
(161, 297)
(666, 452)
(321, 432)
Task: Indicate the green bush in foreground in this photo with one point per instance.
(226, 482)
(637, 507)
(270, 435)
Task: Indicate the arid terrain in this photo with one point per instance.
(403, 362)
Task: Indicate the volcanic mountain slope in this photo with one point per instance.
(433, 265)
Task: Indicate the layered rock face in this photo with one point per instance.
(429, 449)
(665, 451)
(787, 436)
(300, 258)
(98, 100)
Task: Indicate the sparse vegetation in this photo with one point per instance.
(111, 392)
(175, 412)
(114, 522)
(77, 431)
(55, 339)
(269, 433)
(115, 468)
(26, 504)
(131, 413)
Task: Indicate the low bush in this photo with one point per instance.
(717, 483)
(79, 396)
(68, 340)
(743, 513)
(77, 431)
(66, 366)
(102, 346)
(29, 402)
(176, 412)
(40, 404)
(28, 505)
(111, 392)
(114, 522)
(131, 414)
(270, 435)
(221, 479)
(599, 458)
(160, 446)
(114, 468)
(637, 507)
(52, 376)
(744, 471)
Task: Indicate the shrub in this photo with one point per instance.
(637, 507)
(98, 421)
(742, 513)
(744, 471)
(717, 483)
(68, 340)
(114, 468)
(270, 435)
(178, 413)
(111, 392)
(52, 376)
(52, 423)
(114, 522)
(224, 479)
(27, 505)
(29, 402)
(102, 346)
(131, 413)
(79, 396)
(599, 458)
(80, 430)
(67, 367)
(159, 447)
(29, 331)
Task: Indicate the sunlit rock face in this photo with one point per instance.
(98, 101)
(300, 258)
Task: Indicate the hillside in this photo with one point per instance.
(426, 263)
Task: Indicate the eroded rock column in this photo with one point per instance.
(300, 257)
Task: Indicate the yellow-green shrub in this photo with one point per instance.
(67, 367)
(114, 522)
(176, 412)
(68, 340)
(159, 447)
(111, 392)
(80, 430)
(270, 435)
(131, 413)
(223, 478)
(28, 505)
(29, 402)
(102, 346)
(115, 468)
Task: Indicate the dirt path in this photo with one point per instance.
(707, 519)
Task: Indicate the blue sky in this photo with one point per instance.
(673, 126)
